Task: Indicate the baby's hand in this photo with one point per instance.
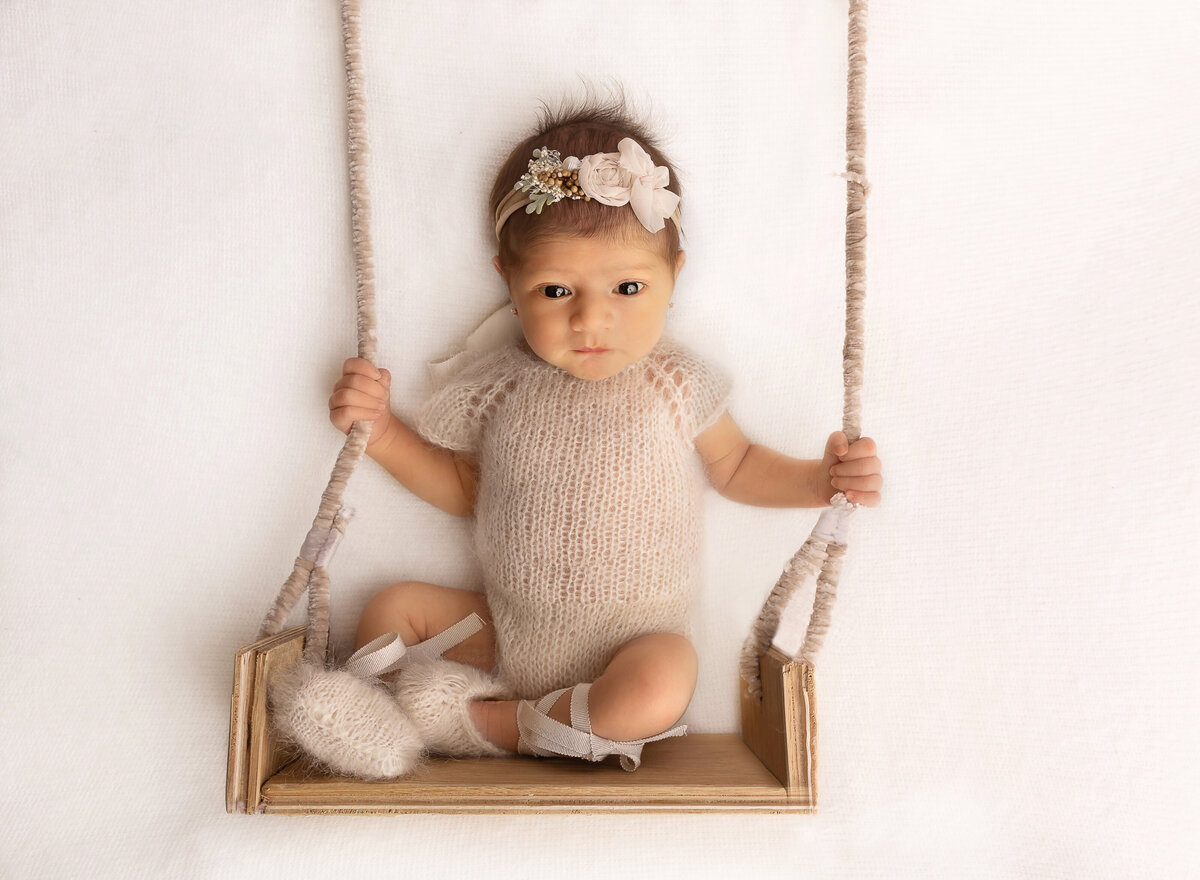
(852, 469)
(363, 393)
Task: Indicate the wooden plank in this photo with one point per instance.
(239, 736)
(696, 773)
(780, 728)
(772, 771)
(267, 754)
(253, 753)
(805, 734)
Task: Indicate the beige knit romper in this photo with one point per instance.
(588, 513)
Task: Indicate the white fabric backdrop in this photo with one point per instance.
(1009, 688)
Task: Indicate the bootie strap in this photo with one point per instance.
(539, 734)
(389, 653)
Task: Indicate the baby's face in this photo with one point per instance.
(589, 306)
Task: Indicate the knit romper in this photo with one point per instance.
(588, 511)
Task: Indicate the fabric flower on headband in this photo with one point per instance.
(628, 176)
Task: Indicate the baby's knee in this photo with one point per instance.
(673, 662)
(398, 597)
(418, 611)
(395, 608)
(661, 682)
(671, 677)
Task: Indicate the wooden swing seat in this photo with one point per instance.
(770, 768)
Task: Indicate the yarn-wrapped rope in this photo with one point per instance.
(822, 554)
(309, 571)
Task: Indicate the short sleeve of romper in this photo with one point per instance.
(456, 413)
(589, 511)
(701, 392)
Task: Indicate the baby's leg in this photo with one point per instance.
(350, 724)
(418, 611)
(645, 689)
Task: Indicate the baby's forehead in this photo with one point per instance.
(564, 254)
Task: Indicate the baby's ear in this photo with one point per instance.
(496, 263)
(680, 259)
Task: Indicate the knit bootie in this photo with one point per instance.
(436, 697)
(349, 724)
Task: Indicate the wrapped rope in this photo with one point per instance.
(822, 554)
(309, 571)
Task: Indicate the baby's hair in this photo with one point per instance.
(580, 128)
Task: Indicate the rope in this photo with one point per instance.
(856, 221)
(309, 571)
(823, 552)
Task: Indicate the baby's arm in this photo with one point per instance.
(443, 478)
(752, 474)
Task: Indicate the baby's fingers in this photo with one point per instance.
(858, 467)
(358, 398)
(359, 382)
(869, 483)
(866, 499)
(360, 366)
(345, 416)
(862, 448)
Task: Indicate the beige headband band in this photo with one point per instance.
(516, 200)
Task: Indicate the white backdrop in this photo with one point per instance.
(1009, 688)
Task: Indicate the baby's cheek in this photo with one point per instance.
(546, 346)
(538, 342)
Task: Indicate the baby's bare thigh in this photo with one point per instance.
(419, 611)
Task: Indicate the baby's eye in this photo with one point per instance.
(554, 291)
(623, 288)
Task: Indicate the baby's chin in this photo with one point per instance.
(594, 366)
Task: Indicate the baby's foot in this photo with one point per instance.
(349, 724)
(436, 695)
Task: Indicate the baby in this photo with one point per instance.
(581, 448)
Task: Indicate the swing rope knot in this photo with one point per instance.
(860, 179)
(833, 526)
(322, 542)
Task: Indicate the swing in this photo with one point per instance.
(770, 767)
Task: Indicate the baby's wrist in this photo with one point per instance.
(380, 443)
(819, 483)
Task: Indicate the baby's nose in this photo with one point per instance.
(590, 313)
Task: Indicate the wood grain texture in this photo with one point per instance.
(696, 773)
(254, 753)
(239, 732)
(781, 728)
(771, 771)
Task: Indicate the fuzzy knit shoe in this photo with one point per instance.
(349, 724)
(436, 696)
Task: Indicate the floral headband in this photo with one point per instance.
(628, 176)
